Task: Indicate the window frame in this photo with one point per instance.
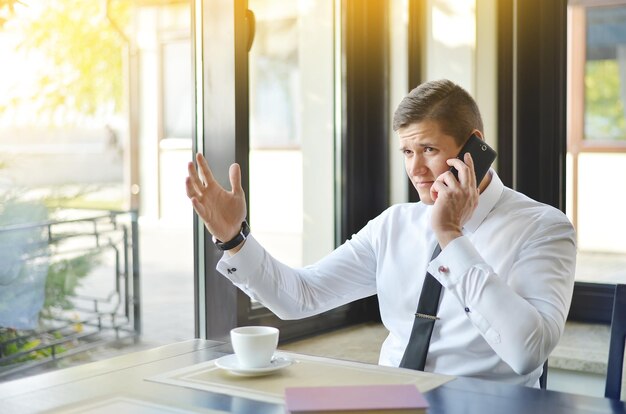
(222, 135)
(591, 302)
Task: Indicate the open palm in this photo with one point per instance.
(222, 211)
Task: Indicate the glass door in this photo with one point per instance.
(292, 135)
(295, 92)
(292, 129)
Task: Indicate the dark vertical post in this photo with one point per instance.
(417, 32)
(365, 154)
(365, 133)
(134, 234)
(505, 28)
(225, 136)
(540, 128)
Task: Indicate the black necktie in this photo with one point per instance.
(425, 316)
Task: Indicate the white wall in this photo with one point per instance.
(451, 41)
(601, 202)
(276, 207)
(486, 67)
(317, 130)
(461, 46)
(398, 88)
(147, 43)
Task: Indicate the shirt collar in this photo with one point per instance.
(486, 202)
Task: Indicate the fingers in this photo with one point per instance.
(193, 182)
(465, 168)
(434, 191)
(205, 171)
(234, 173)
(199, 178)
(447, 181)
(471, 175)
(189, 187)
(197, 205)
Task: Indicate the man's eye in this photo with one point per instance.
(428, 149)
(406, 152)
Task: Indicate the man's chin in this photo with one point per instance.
(425, 197)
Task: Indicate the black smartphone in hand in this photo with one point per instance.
(482, 154)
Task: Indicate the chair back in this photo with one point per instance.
(616, 346)
(543, 379)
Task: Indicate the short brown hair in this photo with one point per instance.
(442, 101)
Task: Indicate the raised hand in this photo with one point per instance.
(222, 211)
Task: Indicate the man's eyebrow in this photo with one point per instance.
(421, 144)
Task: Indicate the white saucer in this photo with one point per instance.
(231, 363)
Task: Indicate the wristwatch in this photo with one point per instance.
(234, 242)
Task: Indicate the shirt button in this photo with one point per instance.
(443, 269)
(467, 309)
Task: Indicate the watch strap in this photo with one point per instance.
(234, 242)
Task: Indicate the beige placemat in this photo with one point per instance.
(123, 404)
(305, 371)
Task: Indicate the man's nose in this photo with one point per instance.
(417, 165)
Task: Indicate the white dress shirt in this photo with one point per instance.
(507, 283)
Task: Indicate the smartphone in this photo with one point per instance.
(482, 154)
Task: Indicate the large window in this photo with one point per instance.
(597, 138)
(96, 248)
(605, 74)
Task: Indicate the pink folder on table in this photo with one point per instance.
(401, 398)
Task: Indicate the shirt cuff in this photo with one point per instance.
(240, 266)
(454, 261)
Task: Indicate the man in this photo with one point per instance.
(506, 265)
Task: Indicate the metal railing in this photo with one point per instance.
(105, 246)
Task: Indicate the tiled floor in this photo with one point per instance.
(601, 267)
(356, 343)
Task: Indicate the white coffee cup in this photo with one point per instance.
(254, 345)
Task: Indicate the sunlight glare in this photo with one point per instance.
(453, 23)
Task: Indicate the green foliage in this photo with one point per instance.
(64, 277)
(16, 343)
(7, 10)
(84, 46)
(604, 108)
(83, 198)
(21, 254)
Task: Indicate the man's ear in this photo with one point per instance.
(478, 134)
